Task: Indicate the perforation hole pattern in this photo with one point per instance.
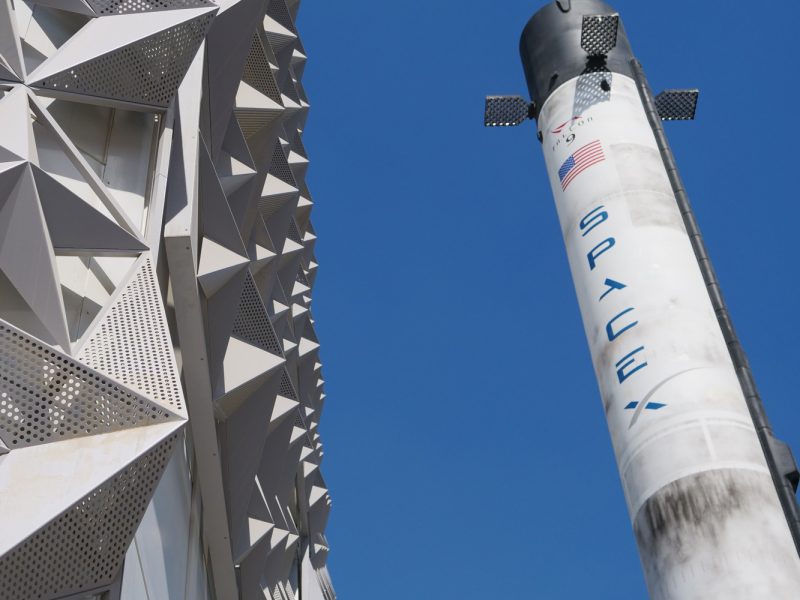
(132, 344)
(677, 105)
(147, 72)
(599, 34)
(257, 72)
(298, 145)
(252, 121)
(121, 7)
(84, 547)
(279, 166)
(252, 324)
(286, 388)
(278, 11)
(290, 592)
(504, 111)
(294, 232)
(45, 396)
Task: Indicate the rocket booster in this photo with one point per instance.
(699, 484)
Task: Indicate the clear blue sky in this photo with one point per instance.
(466, 448)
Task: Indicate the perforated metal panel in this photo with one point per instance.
(299, 147)
(278, 11)
(132, 343)
(300, 422)
(294, 233)
(599, 34)
(45, 396)
(286, 388)
(83, 548)
(120, 7)
(252, 323)
(301, 277)
(257, 72)
(279, 166)
(677, 105)
(505, 111)
(147, 72)
(251, 121)
(123, 373)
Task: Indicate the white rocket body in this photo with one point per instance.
(703, 504)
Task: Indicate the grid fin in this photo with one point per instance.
(599, 34)
(677, 105)
(506, 111)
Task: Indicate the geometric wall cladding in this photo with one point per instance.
(135, 327)
(160, 380)
(120, 7)
(45, 396)
(158, 62)
(83, 548)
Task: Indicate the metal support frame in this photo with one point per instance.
(191, 332)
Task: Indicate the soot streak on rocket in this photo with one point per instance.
(693, 512)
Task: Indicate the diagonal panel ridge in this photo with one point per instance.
(27, 262)
(279, 166)
(132, 343)
(74, 225)
(46, 396)
(252, 324)
(148, 71)
(258, 73)
(278, 10)
(121, 7)
(83, 547)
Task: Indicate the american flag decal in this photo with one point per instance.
(580, 160)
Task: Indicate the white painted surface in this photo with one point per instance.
(704, 508)
(66, 473)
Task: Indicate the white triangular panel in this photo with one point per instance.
(132, 343)
(153, 49)
(68, 531)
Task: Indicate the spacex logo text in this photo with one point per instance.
(593, 226)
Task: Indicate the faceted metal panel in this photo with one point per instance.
(677, 105)
(153, 67)
(277, 10)
(286, 387)
(599, 34)
(121, 7)
(82, 548)
(132, 343)
(294, 233)
(176, 281)
(258, 73)
(505, 111)
(279, 166)
(250, 324)
(45, 396)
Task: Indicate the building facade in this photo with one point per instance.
(160, 381)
